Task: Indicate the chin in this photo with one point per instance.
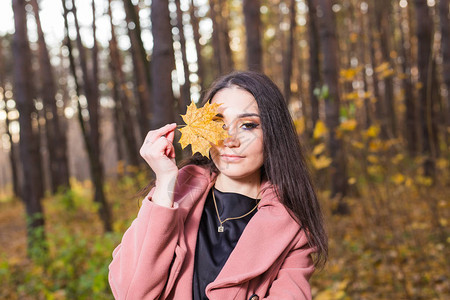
(236, 171)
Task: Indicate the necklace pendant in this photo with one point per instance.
(220, 228)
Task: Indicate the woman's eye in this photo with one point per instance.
(249, 126)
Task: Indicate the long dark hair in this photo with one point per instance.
(284, 163)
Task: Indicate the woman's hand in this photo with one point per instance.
(159, 153)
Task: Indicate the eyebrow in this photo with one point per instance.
(245, 115)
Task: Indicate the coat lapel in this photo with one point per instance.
(264, 241)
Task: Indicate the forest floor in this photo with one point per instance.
(394, 244)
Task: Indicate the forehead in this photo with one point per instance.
(235, 99)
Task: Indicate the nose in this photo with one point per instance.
(232, 141)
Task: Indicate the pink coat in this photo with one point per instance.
(155, 259)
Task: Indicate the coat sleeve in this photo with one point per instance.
(292, 280)
(141, 262)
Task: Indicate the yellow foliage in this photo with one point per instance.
(373, 131)
(374, 170)
(424, 180)
(372, 159)
(348, 125)
(357, 145)
(349, 74)
(320, 130)
(398, 158)
(335, 292)
(398, 178)
(383, 67)
(299, 125)
(321, 162)
(201, 130)
(120, 167)
(375, 145)
(387, 73)
(132, 169)
(442, 163)
(351, 96)
(319, 149)
(351, 180)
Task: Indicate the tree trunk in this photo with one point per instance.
(185, 97)
(383, 12)
(121, 96)
(163, 62)
(92, 133)
(380, 110)
(363, 46)
(12, 151)
(56, 139)
(141, 67)
(314, 65)
(288, 56)
(409, 100)
(198, 46)
(425, 65)
(445, 46)
(253, 33)
(330, 69)
(220, 39)
(29, 150)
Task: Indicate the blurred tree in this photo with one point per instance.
(330, 69)
(289, 52)
(122, 96)
(90, 128)
(314, 65)
(12, 150)
(363, 61)
(198, 47)
(141, 67)
(383, 15)
(427, 100)
(185, 89)
(410, 131)
(163, 63)
(219, 15)
(444, 18)
(56, 139)
(32, 188)
(379, 104)
(254, 52)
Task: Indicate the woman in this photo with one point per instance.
(245, 224)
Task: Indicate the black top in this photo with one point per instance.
(213, 247)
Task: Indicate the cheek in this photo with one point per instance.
(253, 143)
(214, 153)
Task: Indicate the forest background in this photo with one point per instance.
(367, 83)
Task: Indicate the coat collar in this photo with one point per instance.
(265, 239)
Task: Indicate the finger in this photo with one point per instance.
(170, 151)
(164, 147)
(170, 135)
(153, 135)
(165, 129)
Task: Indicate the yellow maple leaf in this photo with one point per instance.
(201, 129)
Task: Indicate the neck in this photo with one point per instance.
(248, 186)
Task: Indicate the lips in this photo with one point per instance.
(231, 157)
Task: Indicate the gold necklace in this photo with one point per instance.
(220, 228)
